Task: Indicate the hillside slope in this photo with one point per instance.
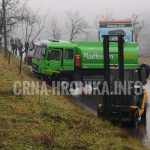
(51, 122)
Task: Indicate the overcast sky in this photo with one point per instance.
(120, 9)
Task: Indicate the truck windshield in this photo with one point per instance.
(39, 52)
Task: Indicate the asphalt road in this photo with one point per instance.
(142, 131)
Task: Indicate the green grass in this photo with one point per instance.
(51, 122)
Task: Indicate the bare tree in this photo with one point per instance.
(30, 19)
(76, 24)
(1, 26)
(4, 25)
(13, 12)
(55, 30)
(10, 17)
(137, 26)
(32, 24)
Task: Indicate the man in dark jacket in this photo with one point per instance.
(26, 47)
(20, 48)
(15, 48)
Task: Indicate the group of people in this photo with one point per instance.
(16, 45)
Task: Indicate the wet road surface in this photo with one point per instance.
(142, 131)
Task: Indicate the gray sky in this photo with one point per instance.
(119, 8)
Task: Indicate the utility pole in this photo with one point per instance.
(4, 23)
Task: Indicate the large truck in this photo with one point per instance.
(57, 60)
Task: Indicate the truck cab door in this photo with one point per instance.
(54, 61)
(68, 60)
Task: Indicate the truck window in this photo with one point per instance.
(69, 54)
(40, 52)
(54, 55)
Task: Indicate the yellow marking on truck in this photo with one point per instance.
(129, 57)
(52, 71)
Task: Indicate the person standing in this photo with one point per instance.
(15, 47)
(26, 47)
(20, 48)
(12, 45)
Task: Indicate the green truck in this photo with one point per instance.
(78, 61)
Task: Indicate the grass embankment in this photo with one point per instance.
(53, 122)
